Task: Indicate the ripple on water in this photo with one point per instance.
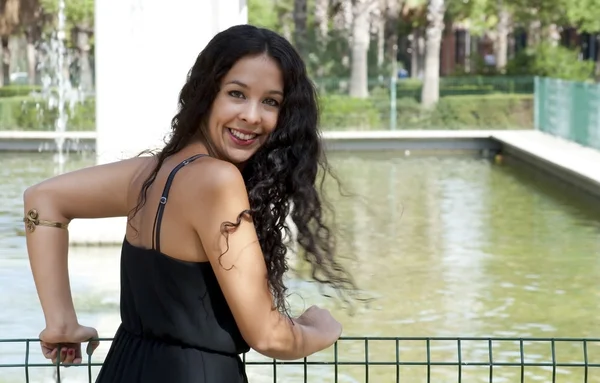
(445, 246)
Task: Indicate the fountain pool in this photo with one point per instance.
(446, 246)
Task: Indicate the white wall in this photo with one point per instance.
(144, 50)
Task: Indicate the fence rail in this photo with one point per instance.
(568, 109)
(383, 359)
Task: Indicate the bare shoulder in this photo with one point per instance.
(219, 195)
(217, 179)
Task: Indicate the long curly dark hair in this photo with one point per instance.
(281, 177)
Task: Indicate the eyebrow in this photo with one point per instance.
(237, 82)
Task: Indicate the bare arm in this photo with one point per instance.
(241, 270)
(94, 192)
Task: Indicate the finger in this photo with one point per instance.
(49, 352)
(63, 354)
(91, 347)
(77, 359)
(57, 356)
(46, 350)
(69, 354)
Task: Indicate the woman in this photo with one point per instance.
(203, 258)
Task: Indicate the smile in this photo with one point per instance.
(241, 138)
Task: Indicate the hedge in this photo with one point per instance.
(496, 111)
(18, 90)
(32, 113)
(449, 85)
(338, 112)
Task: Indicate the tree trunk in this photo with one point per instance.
(322, 24)
(553, 35)
(433, 41)
(343, 19)
(534, 32)
(300, 27)
(360, 47)
(5, 61)
(31, 55)
(501, 46)
(283, 18)
(381, 42)
(321, 19)
(391, 32)
(417, 54)
(83, 48)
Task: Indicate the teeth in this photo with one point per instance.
(241, 135)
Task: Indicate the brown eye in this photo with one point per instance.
(236, 94)
(272, 102)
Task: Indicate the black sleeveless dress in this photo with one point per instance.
(176, 325)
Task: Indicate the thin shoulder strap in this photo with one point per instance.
(163, 200)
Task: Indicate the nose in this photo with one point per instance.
(250, 114)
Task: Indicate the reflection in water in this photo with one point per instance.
(445, 246)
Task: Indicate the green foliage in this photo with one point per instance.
(17, 90)
(344, 113)
(338, 112)
(481, 14)
(76, 11)
(546, 11)
(470, 85)
(31, 113)
(495, 111)
(546, 60)
(585, 15)
(262, 13)
(499, 111)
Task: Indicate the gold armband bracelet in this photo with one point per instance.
(32, 220)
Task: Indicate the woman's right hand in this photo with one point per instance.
(326, 327)
(69, 342)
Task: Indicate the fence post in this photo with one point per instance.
(536, 103)
(393, 107)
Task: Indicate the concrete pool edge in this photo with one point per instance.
(31, 141)
(565, 160)
(475, 140)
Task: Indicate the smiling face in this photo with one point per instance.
(246, 108)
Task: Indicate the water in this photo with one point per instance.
(57, 90)
(451, 246)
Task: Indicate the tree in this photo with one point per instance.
(430, 92)
(300, 26)
(9, 22)
(80, 27)
(361, 10)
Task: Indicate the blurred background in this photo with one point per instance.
(466, 131)
(476, 70)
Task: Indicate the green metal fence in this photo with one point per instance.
(390, 359)
(449, 85)
(568, 109)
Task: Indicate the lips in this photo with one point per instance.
(240, 138)
(241, 135)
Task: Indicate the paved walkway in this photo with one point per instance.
(576, 163)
